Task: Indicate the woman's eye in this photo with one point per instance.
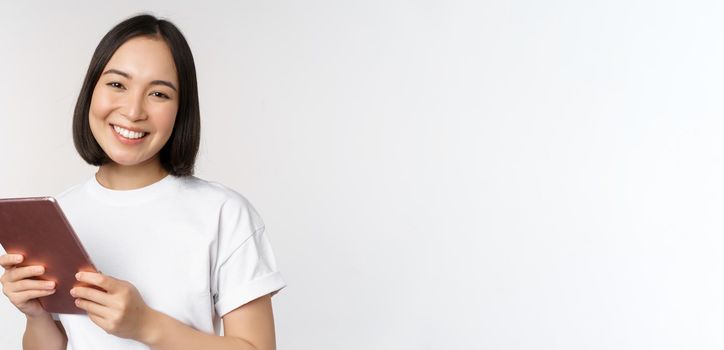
(160, 94)
(115, 85)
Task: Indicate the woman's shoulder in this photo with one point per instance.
(70, 191)
(230, 202)
(212, 189)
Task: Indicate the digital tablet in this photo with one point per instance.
(37, 228)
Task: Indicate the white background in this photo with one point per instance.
(434, 174)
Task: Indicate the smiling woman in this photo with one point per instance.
(135, 102)
(189, 252)
(140, 69)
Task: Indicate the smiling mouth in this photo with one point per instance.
(128, 134)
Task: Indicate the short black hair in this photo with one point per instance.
(178, 155)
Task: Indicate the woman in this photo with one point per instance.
(178, 253)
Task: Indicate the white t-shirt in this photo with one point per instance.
(194, 249)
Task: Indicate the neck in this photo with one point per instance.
(130, 177)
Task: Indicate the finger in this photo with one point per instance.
(21, 273)
(23, 297)
(9, 260)
(27, 284)
(106, 282)
(93, 295)
(93, 308)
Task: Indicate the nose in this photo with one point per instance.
(134, 109)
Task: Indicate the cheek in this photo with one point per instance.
(101, 105)
(165, 117)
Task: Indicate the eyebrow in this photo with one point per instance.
(128, 76)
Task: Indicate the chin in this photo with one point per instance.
(125, 161)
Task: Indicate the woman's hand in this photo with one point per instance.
(120, 310)
(21, 289)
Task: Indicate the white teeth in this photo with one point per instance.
(128, 133)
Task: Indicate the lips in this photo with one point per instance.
(126, 136)
(131, 134)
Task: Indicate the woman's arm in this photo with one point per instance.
(42, 333)
(121, 311)
(22, 289)
(248, 327)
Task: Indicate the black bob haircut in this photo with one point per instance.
(178, 155)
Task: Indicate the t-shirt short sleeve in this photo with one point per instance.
(54, 316)
(245, 267)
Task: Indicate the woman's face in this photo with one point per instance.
(134, 103)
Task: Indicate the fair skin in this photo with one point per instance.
(137, 91)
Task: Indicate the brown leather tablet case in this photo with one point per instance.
(37, 229)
